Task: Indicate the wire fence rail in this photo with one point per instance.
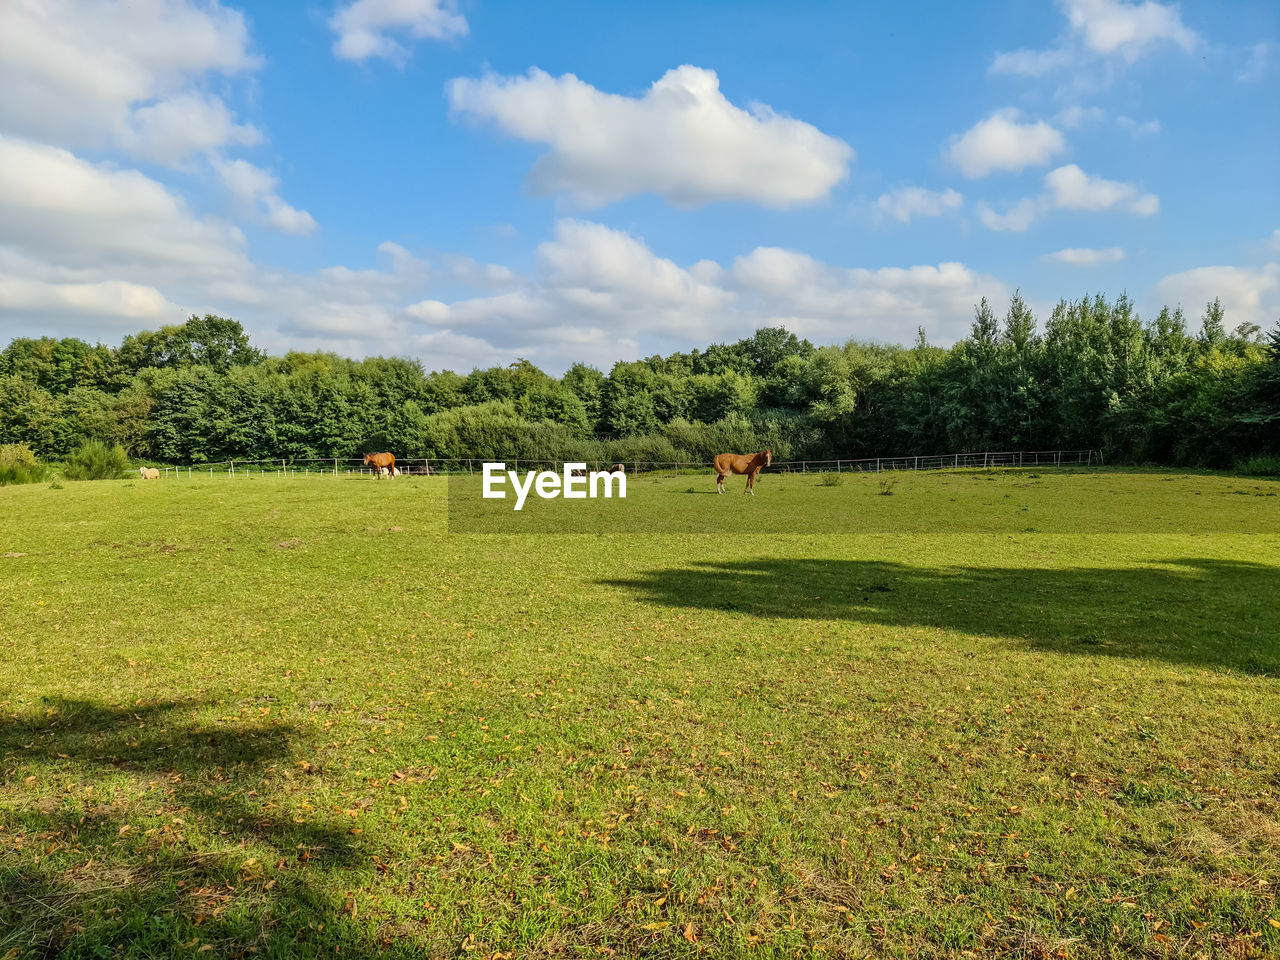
(440, 466)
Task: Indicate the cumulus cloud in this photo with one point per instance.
(907, 202)
(1248, 294)
(130, 77)
(612, 289)
(57, 207)
(1127, 30)
(682, 140)
(1103, 30)
(1086, 257)
(169, 131)
(119, 74)
(256, 190)
(366, 28)
(1070, 188)
(91, 300)
(1003, 142)
(100, 249)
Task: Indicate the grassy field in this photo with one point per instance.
(281, 717)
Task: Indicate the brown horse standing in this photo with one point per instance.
(750, 464)
(381, 461)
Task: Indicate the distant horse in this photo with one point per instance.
(380, 462)
(149, 473)
(750, 464)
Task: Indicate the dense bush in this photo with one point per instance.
(18, 464)
(95, 460)
(1263, 466)
(1093, 375)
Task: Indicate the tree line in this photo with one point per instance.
(1095, 375)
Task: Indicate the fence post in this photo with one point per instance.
(1091, 458)
(877, 464)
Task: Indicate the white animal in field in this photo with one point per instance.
(149, 473)
(395, 471)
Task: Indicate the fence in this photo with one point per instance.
(430, 466)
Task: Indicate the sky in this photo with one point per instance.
(470, 182)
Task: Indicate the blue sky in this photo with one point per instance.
(473, 182)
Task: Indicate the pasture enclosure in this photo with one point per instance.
(306, 719)
(431, 466)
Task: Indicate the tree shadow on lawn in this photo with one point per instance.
(182, 854)
(1198, 612)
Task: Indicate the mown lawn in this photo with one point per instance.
(300, 718)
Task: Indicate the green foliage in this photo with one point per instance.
(1260, 466)
(18, 464)
(1094, 374)
(95, 460)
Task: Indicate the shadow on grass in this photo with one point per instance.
(1200, 612)
(139, 833)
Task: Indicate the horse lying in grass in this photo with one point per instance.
(748, 463)
(380, 462)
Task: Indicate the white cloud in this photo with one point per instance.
(113, 298)
(905, 202)
(364, 27)
(169, 131)
(1075, 117)
(255, 189)
(682, 140)
(129, 77)
(1086, 257)
(1017, 219)
(1032, 63)
(613, 290)
(1103, 31)
(1127, 30)
(1070, 188)
(1138, 128)
(1249, 294)
(102, 250)
(75, 72)
(59, 208)
(1002, 142)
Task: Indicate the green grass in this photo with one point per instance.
(280, 718)
(1068, 500)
